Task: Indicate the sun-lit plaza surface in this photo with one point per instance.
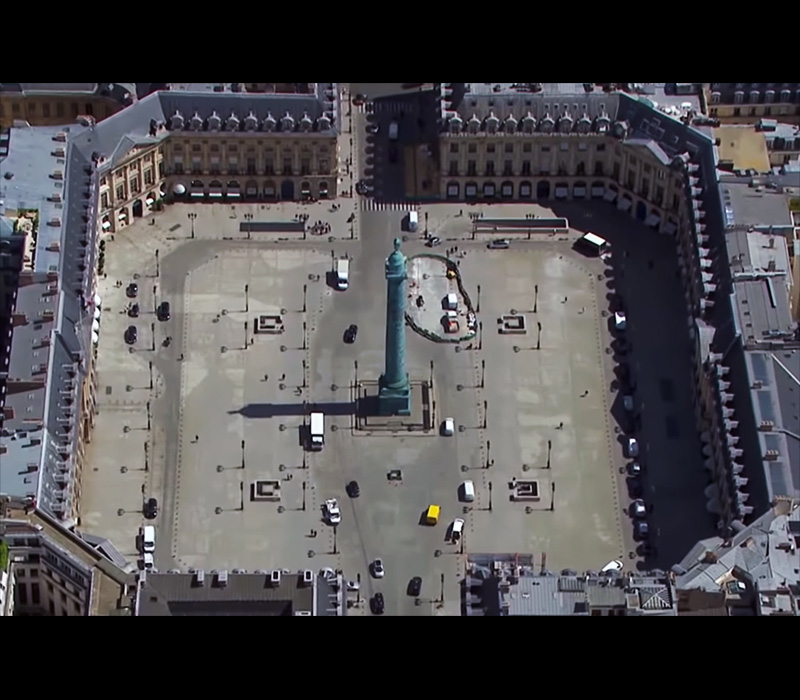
(231, 411)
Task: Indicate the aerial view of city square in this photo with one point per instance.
(399, 349)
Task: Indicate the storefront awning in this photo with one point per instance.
(96, 326)
(95, 338)
(149, 201)
(198, 194)
(97, 300)
(562, 192)
(610, 195)
(216, 194)
(97, 313)
(653, 220)
(578, 191)
(106, 225)
(234, 194)
(625, 204)
(670, 229)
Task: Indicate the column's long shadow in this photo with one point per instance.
(273, 410)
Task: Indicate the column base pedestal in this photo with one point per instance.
(394, 401)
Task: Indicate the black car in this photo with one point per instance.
(350, 334)
(415, 587)
(353, 489)
(133, 311)
(635, 489)
(433, 241)
(163, 311)
(132, 291)
(392, 153)
(131, 335)
(377, 604)
(150, 508)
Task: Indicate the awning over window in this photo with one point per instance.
(598, 191)
(624, 204)
(579, 192)
(216, 193)
(610, 196)
(97, 313)
(149, 201)
(452, 190)
(198, 194)
(95, 338)
(562, 192)
(97, 300)
(122, 216)
(471, 190)
(489, 190)
(525, 190)
(106, 225)
(653, 220)
(96, 326)
(670, 228)
(269, 191)
(252, 191)
(508, 190)
(234, 194)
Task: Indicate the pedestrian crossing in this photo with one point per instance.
(373, 205)
(389, 107)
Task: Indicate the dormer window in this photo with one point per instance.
(270, 123)
(214, 122)
(584, 124)
(287, 122)
(324, 123)
(510, 125)
(306, 124)
(176, 121)
(621, 129)
(754, 95)
(769, 96)
(529, 123)
(547, 124)
(603, 123)
(456, 125)
(474, 125)
(492, 123)
(250, 122)
(197, 122)
(786, 95)
(233, 123)
(565, 124)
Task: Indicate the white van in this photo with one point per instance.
(148, 539)
(468, 491)
(394, 129)
(413, 222)
(317, 431)
(342, 274)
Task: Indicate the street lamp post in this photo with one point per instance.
(478, 301)
(490, 496)
(485, 413)
(305, 295)
(304, 496)
(488, 450)
(246, 298)
(304, 336)
(192, 216)
(441, 600)
(535, 298)
(245, 335)
(158, 265)
(553, 497)
(483, 374)
(335, 550)
(549, 450)
(243, 446)
(150, 368)
(538, 335)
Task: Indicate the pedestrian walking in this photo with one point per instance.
(266, 377)
(197, 438)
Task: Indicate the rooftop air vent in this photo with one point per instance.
(308, 577)
(275, 577)
(222, 578)
(199, 577)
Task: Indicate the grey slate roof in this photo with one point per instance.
(244, 594)
(38, 439)
(764, 553)
(747, 206)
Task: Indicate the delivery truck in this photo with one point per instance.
(342, 274)
(317, 432)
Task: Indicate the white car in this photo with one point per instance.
(353, 586)
(448, 427)
(377, 569)
(332, 512)
(632, 447)
(627, 403)
(638, 509)
(456, 529)
(615, 565)
(148, 563)
(620, 321)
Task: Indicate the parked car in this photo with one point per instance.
(635, 468)
(353, 489)
(635, 489)
(638, 509)
(448, 427)
(132, 290)
(353, 586)
(373, 128)
(332, 513)
(150, 508)
(632, 447)
(133, 311)
(614, 565)
(377, 604)
(456, 529)
(499, 244)
(627, 402)
(620, 321)
(377, 568)
(163, 311)
(131, 335)
(351, 334)
(415, 587)
(433, 241)
(641, 530)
